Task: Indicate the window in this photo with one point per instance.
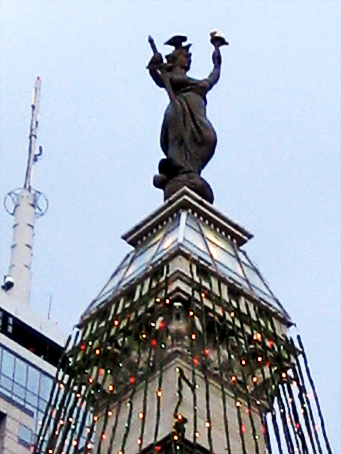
(19, 391)
(25, 435)
(33, 380)
(45, 387)
(7, 364)
(10, 325)
(5, 384)
(20, 371)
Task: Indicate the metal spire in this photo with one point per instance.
(33, 133)
(25, 205)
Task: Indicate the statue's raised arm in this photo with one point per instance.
(187, 137)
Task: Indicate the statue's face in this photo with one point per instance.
(184, 60)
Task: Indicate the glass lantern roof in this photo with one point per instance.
(202, 241)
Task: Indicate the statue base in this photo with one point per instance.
(191, 180)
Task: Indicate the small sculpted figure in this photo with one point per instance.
(188, 139)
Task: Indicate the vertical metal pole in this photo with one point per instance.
(24, 217)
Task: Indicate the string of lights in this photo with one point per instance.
(240, 383)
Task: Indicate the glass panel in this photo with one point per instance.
(155, 239)
(192, 222)
(255, 279)
(224, 257)
(195, 238)
(20, 371)
(244, 258)
(218, 240)
(267, 298)
(142, 259)
(25, 434)
(228, 272)
(31, 398)
(19, 391)
(198, 251)
(45, 386)
(41, 405)
(7, 364)
(33, 380)
(6, 383)
(111, 284)
(169, 240)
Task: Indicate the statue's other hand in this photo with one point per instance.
(216, 57)
(156, 60)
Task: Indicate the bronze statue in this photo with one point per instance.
(188, 139)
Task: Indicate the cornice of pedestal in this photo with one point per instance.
(185, 199)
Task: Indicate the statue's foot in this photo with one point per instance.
(193, 182)
(159, 181)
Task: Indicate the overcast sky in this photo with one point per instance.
(276, 169)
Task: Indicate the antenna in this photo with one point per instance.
(50, 307)
(25, 205)
(32, 157)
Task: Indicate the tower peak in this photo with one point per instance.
(32, 156)
(25, 204)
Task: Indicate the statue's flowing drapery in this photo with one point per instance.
(188, 139)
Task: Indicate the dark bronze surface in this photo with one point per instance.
(188, 139)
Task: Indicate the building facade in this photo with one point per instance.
(30, 348)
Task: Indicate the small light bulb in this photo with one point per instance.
(141, 415)
(159, 393)
(207, 424)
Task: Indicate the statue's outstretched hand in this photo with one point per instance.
(216, 57)
(156, 60)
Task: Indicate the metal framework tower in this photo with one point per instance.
(30, 345)
(185, 350)
(25, 205)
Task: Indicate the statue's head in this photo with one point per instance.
(180, 57)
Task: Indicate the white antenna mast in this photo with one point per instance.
(33, 133)
(25, 205)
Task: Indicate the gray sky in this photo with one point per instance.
(276, 169)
